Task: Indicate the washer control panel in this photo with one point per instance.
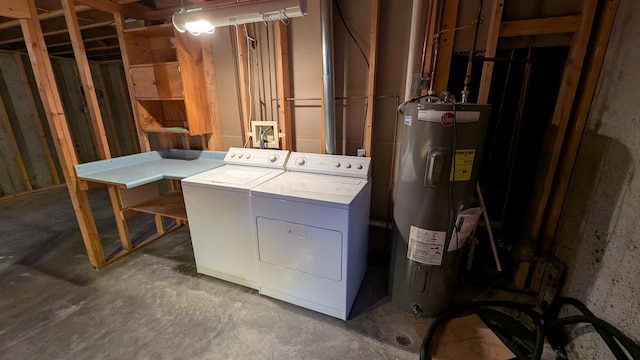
(338, 165)
(271, 158)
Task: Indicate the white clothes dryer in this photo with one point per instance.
(219, 213)
(312, 229)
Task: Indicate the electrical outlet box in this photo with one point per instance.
(362, 152)
(265, 134)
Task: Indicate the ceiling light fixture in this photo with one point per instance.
(202, 20)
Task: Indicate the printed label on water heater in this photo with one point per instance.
(407, 120)
(426, 246)
(463, 165)
(465, 225)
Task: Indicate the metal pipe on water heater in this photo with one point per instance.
(326, 27)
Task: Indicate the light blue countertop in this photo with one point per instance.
(139, 169)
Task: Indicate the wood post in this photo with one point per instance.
(284, 84)
(45, 79)
(555, 135)
(243, 64)
(593, 66)
(371, 85)
(215, 137)
(490, 50)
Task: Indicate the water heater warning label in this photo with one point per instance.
(463, 165)
(426, 246)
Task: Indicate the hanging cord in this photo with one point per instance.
(546, 325)
(349, 31)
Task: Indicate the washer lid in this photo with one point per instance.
(233, 176)
(336, 191)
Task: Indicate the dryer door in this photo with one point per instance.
(312, 250)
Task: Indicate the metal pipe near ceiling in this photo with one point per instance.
(326, 25)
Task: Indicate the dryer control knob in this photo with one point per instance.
(336, 164)
(232, 155)
(273, 158)
(348, 166)
(248, 156)
(301, 161)
(359, 167)
(240, 156)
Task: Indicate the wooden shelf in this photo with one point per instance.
(154, 64)
(168, 130)
(168, 205)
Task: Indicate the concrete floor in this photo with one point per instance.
(153, 304)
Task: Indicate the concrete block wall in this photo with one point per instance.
(599, 233)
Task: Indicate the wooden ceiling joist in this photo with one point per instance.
(15, 9)
(42, 16)
(113, 8)
(61, 31)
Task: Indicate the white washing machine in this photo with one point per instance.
(219, 212)
(312, 230)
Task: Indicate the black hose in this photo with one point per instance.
(461, 309)
(553, 311)
(547, 325)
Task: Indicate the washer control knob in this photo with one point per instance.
(248, 156)
(273, 158)
(240, 156)
(360, 167)
(348, 166)
(336, 164)
(232, 155)
(301, 161)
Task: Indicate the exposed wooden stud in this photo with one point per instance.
(108, 112)
(190, 58)
(215, 138)
(284, 84)
(490, 50)
(58, 32)
(52, 103)
(36, 118)
(43, 16)
(15, 9)
(121, 221)
(445, 46)
(430, 33)
(371, 84)
(555, 134)
(541, 26)
(244, 81)
(97, 125)
(591, 74)
(13, 143)
(143, 139)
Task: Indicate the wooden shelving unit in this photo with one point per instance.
(169, 205)
(168, 80)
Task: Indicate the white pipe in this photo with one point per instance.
(414, 35)
(488, 223)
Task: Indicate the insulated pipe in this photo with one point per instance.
(414, 34)
(326, 27)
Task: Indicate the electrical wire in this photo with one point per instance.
(349, 31)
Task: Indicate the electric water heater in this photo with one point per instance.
(435, 210)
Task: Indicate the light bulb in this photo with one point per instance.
(199, 26)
